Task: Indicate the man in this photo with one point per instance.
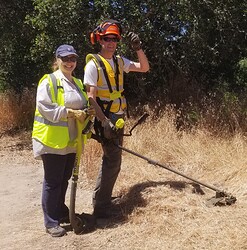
(104, 80)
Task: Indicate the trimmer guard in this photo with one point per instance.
(221, 199)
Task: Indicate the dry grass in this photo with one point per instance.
(16, 111)
(166, 211)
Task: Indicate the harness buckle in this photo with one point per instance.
(115, 95)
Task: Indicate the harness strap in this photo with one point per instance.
(117, 72)
(117, 76)
(102, 65)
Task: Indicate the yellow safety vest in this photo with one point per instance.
(55, 135)
(109, 90)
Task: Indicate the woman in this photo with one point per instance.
(60, 100)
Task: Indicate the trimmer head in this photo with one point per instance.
(222, 199)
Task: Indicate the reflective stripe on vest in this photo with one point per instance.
(41, 119)
(103, 91)
(55, 134)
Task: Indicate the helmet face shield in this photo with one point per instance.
(110, 29)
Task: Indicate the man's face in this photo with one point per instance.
(109, 42)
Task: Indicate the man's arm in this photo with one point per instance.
(142, 65)
(91, 92)
(109, 128)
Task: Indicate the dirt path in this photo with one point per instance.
(21, 218)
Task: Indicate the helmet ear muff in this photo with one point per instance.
(94, 37)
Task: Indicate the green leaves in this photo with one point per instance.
(186, 41)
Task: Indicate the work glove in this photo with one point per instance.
(109, 129)
(90, 111)
(135, 41)
(77, 114)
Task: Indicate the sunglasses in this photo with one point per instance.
(111, 39)
(68, 59)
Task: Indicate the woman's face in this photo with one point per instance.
(67, 64)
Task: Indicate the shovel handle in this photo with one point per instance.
(72, 216)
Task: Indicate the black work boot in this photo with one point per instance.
(107, 211)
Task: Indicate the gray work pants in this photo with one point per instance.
(110, 168)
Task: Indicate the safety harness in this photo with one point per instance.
(114, 94)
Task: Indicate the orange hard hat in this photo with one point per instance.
(106, 28)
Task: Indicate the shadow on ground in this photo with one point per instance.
(133, 199)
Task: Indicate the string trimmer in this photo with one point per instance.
(221, 197)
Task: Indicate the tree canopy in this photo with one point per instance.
(193, 46)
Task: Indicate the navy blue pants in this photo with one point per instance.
(57, 172)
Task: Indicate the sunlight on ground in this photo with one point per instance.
(164, 210)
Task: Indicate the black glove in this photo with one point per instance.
(109, 129)
(90, 111)
(135, 41)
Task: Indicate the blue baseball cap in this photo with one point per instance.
(65, 50)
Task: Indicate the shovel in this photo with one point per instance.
(81, 223)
